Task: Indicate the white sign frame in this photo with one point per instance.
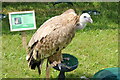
(22, 12)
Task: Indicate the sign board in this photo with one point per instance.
(20, 21)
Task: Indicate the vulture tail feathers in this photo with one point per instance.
(32, 63)
(30, 51)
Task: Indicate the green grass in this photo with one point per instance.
(96, 47)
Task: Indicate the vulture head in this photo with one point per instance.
(83, 20)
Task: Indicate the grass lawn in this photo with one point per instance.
(96, 47)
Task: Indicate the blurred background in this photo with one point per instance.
(96, 46)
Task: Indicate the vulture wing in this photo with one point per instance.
(50, 25)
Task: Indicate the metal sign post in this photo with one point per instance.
(21, 21)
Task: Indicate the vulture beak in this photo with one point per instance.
(90, 20)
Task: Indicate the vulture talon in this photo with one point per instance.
(66, 59)
(60, 66)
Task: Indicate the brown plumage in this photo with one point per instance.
(53, 36)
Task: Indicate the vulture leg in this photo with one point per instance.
(47, 64)
(54, 59)
(47, 71)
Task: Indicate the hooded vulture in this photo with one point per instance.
(53, 36)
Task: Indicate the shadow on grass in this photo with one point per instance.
(78, 76)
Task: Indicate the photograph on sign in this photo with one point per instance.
(20, 21)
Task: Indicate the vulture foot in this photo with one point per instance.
(62, 65)
(50, 66)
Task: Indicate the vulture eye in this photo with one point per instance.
(84, 16)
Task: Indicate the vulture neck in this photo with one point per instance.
(80, 25)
